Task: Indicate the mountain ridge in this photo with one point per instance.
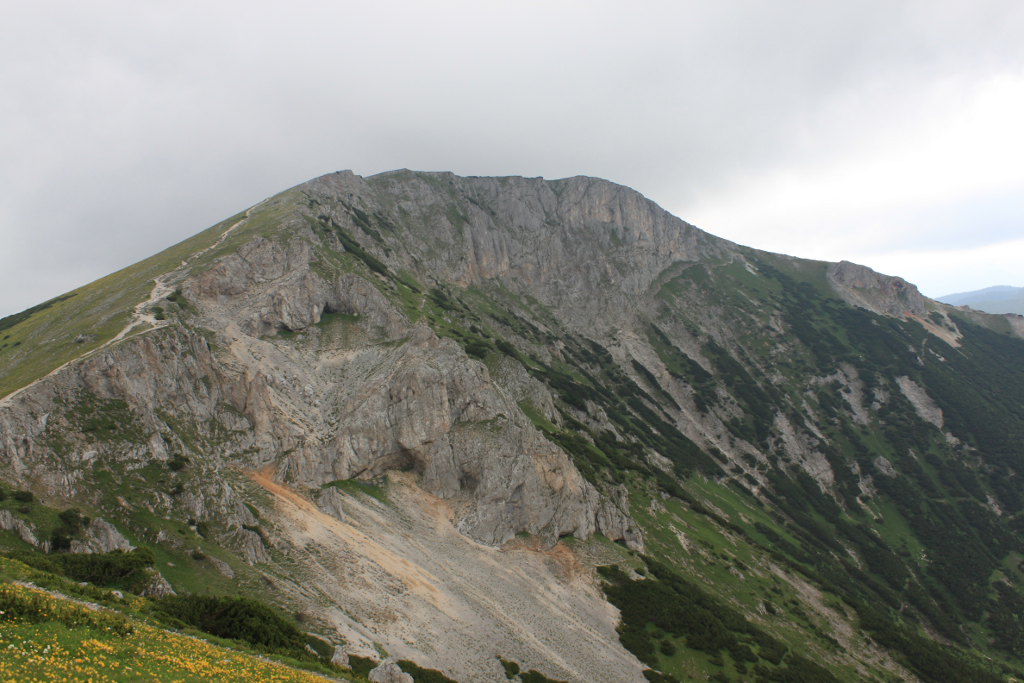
(500, 356)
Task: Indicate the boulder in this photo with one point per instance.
(158, 587)
(388, 672)
(340, 657)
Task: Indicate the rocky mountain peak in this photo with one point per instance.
(433, 414)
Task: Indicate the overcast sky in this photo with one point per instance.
(885, 133)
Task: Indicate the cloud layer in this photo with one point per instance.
(863, 131)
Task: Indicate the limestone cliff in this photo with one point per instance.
(352, 398)
(884, 294)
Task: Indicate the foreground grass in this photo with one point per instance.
(44, 638)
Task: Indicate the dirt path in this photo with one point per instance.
(161, 288)
(140, 315)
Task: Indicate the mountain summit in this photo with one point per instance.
(497, 425)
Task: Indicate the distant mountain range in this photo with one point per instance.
(999, 299)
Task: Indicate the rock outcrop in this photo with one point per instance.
(9, 522)
(100, 537)
(330, 502)
(157, 586)
(340, 657)
(924, 405)
(583, 245)
(883, 294)
(223, 567)
(388, 672)
(248, 545)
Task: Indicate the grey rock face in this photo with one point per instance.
(101, 537)
(388, 672)
(330, 503)
(417, 412)
(169, 539)
(884, 294)
(157, 586)
(585, 246)
(884, 466)
(340, 657)
(249, 546)
(924, 405)
(223, 567)
(9, 522)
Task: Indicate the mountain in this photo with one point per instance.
(997, 293)
(1000, 299)
(486, 423)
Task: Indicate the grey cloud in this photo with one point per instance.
(126, 127)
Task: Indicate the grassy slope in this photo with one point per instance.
(47, 636)
(99, 310)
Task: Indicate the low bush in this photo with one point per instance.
(99, 568)
(361, 666)
(72, 521)
(177, 463)
(236, 618)
(511, 668)
(421, 675)
(478, 349)
(658, 677)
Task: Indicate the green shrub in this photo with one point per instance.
(98, 568)
(511, 668)
(236, 618)
(478, 349)
(658, 677)
(177, 297)
(72, 522)
(361, 666)
(507, 348)
(177, 463)
(23, 496)
(421, 675)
